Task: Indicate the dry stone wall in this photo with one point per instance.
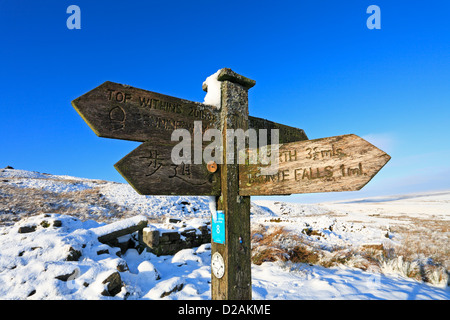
(162, 241)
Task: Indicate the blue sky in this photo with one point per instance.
(316, 64)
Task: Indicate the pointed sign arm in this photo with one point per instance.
(341, 163)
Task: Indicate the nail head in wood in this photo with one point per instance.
(211, 166)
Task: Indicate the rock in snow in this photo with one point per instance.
(120, 228)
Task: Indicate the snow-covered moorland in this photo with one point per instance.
(385, 248)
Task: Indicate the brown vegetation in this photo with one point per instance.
(412, 258)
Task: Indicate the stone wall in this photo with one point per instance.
(169, 242)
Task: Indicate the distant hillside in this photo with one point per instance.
(26, 193)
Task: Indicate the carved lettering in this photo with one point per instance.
(320, 154)
(118, 96)
(144, 102)
(159, 105)
(201, 114)
(348, 172)
(287, 156)
(284, 175)
(117, 117)
(327, 173)
(184, 172)
(313, 173)
(154, 162)
(308, 174)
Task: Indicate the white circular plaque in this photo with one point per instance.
(217, 265)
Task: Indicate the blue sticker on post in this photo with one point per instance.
(218, 227)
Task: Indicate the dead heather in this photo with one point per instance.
(411, 258)
(271, 244)
(17, 203)
(424, 250)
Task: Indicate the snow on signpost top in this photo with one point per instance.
(214, 95)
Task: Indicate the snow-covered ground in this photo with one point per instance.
(49, 247)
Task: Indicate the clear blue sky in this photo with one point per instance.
(316, 64)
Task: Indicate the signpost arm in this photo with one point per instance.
(235, 284)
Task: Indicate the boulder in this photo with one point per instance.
(27, 229)
(120, 228)
(113, 284)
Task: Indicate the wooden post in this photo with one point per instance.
(235, 284)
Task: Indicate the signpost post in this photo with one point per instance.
(235, 282)
(341, 163)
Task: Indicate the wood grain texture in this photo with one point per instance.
(341, 163)
(150, 171)
(286, 133)
(236, 252)
(118, 111)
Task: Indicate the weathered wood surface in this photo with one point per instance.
(341, 163)
(150, 171)
(236, 252)
(286, 133)
(118, 111)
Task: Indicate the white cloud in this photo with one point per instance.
(383, 141)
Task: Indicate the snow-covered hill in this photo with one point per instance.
(386, 248)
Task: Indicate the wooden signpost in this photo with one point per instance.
(341, 163)
(123, 112)
(118, 111)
